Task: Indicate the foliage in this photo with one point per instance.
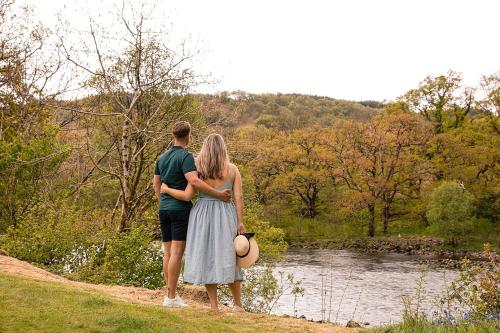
(439, 100)
(412, 311)
(48, 233)
(262, 289)
(378, 160)
(470, 303)
(450, 211)
(26, 166)
(82, 245)
(475, 294)
(470, 155)
(30, 147)
(140, 87)
(131, 259)
(282, 111)
(271, 239)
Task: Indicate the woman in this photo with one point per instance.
(210, 256)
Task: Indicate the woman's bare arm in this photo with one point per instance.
(238, 197)
(185, 195)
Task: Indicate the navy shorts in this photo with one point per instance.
(174, 224)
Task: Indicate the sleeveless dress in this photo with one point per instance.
(210, 257)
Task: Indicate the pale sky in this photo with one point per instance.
(356, 49)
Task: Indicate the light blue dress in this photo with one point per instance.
(210, 256)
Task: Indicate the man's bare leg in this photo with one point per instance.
(174, 266)
(166, 258)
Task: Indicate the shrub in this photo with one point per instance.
(475, 294)
(48, 233)
(80, 245)
(132, 259)
(271, 240)
(450, 211)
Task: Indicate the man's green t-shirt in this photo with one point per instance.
(171, 167)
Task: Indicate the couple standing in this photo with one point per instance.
(213, 222)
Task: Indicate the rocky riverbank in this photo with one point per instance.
(433, 251)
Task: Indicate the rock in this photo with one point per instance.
(352, 323)
(302, 317)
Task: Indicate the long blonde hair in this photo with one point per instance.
(212, 158)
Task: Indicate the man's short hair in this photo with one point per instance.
(181, 129)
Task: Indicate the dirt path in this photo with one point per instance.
(195, 296)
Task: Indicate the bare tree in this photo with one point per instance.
(138, 87)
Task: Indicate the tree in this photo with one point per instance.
(303, 175)
(376, 159)
(140, 84)
(489, 104)
(450, 210)
(30, 149)
(471, 155)
(438, 100)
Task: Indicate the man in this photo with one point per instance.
(176, 168)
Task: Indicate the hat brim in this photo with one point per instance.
(251, 257)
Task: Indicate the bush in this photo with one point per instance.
(475, 294)
(80, 245)
(48, 233)
(450, 211)
(471, 303)
(271, 240)
(132, 259)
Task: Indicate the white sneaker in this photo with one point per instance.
(180, 302)
(176, 302)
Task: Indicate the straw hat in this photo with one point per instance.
(247, 250)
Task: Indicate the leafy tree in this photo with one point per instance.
(304, 175)
(30, 146)
(377, 159)
(489, 104)
(438, 100)
(471, 155)
(451, 210)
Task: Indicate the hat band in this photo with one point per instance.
(243, 256)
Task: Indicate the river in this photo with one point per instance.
(366, 288)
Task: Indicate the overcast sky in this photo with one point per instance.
(356, 49)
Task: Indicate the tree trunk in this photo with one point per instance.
(371, 219)
(126, 195)
(385, 216)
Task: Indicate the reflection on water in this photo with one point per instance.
(364, 288)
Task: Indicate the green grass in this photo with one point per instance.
(428, 327)
(33, 306)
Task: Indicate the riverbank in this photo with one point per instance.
(62, 305)
(433, 251)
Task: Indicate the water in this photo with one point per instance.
(365, 288)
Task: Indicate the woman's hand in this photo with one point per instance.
(241, 228)
(164, 188)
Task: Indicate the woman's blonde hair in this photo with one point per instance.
(212, 158)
